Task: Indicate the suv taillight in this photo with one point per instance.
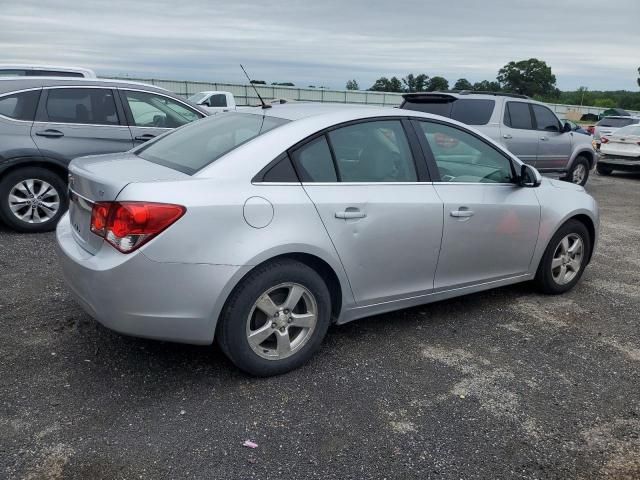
(129, 225)
(604, 140)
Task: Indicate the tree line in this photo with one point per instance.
(531, 77)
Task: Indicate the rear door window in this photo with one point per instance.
(95, 106)
(314, 161)
(20, 106)
(518, 115)
(375, 151)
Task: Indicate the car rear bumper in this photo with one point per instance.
(134, 295)
(619, 162)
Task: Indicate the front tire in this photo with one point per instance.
(276, 319)
(32, 199)
(579, 172)
(565, 259)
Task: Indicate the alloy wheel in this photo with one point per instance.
(578, 174)
(567, 259)
(282, 321)
(34, 201)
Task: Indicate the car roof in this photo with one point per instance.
(24, 66)
(10, 84)
(301, 110)
(327, 114)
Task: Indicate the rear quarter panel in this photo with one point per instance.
(16, 143)
(215, 231)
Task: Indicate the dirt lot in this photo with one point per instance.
(503, 384)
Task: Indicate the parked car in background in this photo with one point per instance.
(280, 221)
(609, 125)
(15, 70)
(528, 129)
(46, 122)
(620, 151)
(214, 101)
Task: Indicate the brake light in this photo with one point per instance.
(604, 140)
(129, 225)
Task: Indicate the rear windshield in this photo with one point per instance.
(615, 122)
(198, 144)
(631, 130)
(467, 110)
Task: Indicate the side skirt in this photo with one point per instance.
(369, 310)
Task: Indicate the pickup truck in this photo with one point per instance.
(214, 101)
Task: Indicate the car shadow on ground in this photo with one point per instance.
(162, 358)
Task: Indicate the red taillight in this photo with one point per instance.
(604, 140)
(129, 225)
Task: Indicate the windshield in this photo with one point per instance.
(201, 143)
(197, 98)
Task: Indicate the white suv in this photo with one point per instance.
(529, 129)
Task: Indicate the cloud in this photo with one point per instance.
(327, 43)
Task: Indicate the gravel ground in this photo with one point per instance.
(502, 384)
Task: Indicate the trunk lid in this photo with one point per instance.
(625, 146)
(101, 178)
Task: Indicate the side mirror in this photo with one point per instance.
(529, 176)
(567, 127)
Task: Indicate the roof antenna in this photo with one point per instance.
(264, 105)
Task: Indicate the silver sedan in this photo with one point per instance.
(259, 229)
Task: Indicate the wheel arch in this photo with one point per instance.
(56, 167)
(587, 153)
(583, 218)
(328, 269)
(591, 228)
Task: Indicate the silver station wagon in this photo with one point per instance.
(260, 228)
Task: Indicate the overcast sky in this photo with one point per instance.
(586, 42)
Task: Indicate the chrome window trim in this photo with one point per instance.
(101, 87)
(355, 184)
(80, 124)
(327, 184)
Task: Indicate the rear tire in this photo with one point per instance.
(579, 172)
(265, 344)
(603, 170)
(561, 268)
(32, 199)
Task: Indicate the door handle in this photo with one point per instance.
(145, 137)
(544, 139)
(350, 213)
(507, 136)
(463, 212)
(50, 133)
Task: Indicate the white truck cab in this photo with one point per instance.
(214, 101)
